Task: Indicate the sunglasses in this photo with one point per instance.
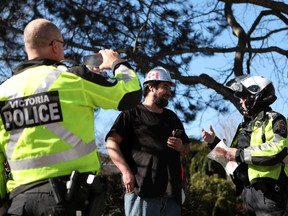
(59, 41)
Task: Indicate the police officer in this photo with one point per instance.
(47, 126)
(259, 147)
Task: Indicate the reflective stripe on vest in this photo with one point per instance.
(270, 144)
(125, 73)
(80, 150)
(80, 147)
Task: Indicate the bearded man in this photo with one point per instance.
(143, 145)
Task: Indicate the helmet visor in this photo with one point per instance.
(236, 83)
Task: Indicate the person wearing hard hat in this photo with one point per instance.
(259, 147)
(145, 145)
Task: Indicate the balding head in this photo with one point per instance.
(37, 36)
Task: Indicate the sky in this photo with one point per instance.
(224, 125)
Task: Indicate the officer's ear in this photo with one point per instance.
(57, 47)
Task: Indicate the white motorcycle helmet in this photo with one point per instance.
(258, 91)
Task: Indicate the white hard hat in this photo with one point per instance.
(158, 74)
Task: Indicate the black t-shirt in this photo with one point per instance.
(157, 167)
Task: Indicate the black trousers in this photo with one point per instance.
(265, 201)
(40, 201)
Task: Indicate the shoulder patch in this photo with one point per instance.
(280, 127)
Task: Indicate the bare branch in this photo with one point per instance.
(239, 32)
(143, 26)
(266, 13)
(208, 82)
(276, 6)
(223, 50)
(268, 34)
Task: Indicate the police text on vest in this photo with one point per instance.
(29, 111)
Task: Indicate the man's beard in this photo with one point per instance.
(160, 101)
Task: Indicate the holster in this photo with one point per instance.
(89, 195)
(97, 197)
(240, 178)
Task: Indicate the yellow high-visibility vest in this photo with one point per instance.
(272, 146)
(47, 121)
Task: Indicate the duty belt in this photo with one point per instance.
(44, 186)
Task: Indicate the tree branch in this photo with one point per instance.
(276, 6)
(266, 13)
(209, 82)
(239, 32)
(142, 27)
(268, 34)
(223, 50)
